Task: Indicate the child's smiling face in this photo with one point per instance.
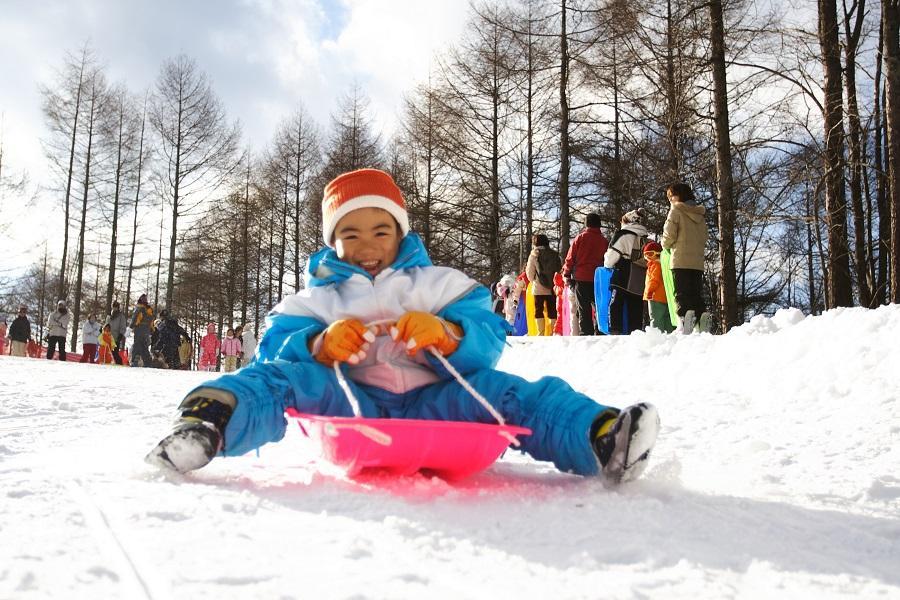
(368, 238)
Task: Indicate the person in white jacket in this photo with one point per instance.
(90, 339)
(626, 310)
(57, 326)
(248, 345)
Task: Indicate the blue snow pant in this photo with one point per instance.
(560, 418)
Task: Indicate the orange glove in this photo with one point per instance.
(420, 330)
(344, 341)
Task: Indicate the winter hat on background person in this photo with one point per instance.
(142, 299)
(61, 304)
(633, 216)
(651, 246)
(364, 188)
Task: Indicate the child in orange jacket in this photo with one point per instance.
(654, 290)
(107, 344)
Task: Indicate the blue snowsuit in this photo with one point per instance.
(284, 374)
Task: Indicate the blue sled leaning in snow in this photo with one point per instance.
(602, 297)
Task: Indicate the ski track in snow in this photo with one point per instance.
(776, 474)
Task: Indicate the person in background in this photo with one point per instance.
(57, 327)
(685, 234)
(505, 294)
(3, 330)
(231, 350)
(168, 339)
(248, 345)
(185, 352)
(654, 290)
(107, 346)
(624, 249)
(141, 327)
(90, 339)
(209, 349)
(584, 256)
(20, 333)
(543, 263)
(117, 325)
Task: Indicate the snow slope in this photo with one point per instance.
(777, 474)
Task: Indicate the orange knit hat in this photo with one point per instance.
(365, 188)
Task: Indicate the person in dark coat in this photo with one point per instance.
(168, 340)
(117, 324)
(20, 332)
(141, 325)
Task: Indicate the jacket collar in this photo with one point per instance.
(324, 267)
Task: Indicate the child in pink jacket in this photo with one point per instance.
(209, 349)
(231, 349)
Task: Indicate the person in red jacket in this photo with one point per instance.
(585, 255)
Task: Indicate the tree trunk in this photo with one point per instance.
(76, 309)
(245, 208)
(564, 158)
(61, 290)
(724, 176)
(860, 253)
(113, 240)
(137, 197)
(890, 15)
(170, 280)
(840, 282)
(881, 192)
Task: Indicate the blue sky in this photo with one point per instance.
(263, 57)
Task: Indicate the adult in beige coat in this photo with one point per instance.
(543, 263)
(685, 234)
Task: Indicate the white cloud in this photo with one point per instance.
(263, 57)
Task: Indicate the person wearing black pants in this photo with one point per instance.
(57, 326)
(584, 256)
(52, 342)
(685, 235)
(584, 293)
(688, 291)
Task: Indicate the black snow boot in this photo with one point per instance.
(196, 438)
(623, 441)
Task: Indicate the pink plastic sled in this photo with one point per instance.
(449, 449)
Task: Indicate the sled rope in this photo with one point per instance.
(385, 439)
(481, 399)
(379, 437)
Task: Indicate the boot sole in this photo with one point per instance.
(634, 441)
(183, 450)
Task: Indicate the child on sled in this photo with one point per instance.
(375, 277)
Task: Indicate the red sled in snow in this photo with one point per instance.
(448, 449)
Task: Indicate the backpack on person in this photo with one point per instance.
(633, 280)
(548, 264)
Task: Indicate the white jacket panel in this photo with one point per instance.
(90, 332)
(385, 299)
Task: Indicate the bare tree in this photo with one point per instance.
(96, 97)
(197, 144)
(724, 175)
(890, 20)
(840, 288)
(61, 105)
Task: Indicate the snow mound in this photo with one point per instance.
(775, 475)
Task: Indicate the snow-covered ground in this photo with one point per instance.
(776, 474)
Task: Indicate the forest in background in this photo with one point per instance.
(786, 123)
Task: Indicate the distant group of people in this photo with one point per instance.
(236, 348)
(156, 342)
(637, 274)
